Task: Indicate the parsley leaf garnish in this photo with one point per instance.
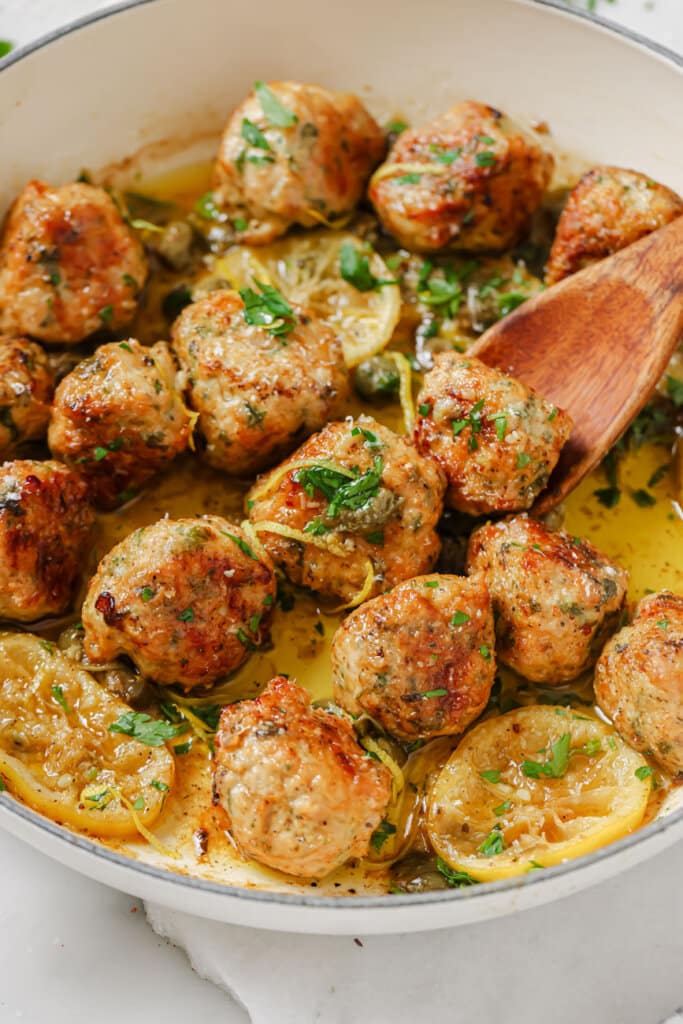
(58, 694)
(270, 309)
(340, 490)
(151, 731)
(252, 134)
(456, 879)
(275, 113)
(494, 842)
(381, 834)
(355, 269)
(556, 765)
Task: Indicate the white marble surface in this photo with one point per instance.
(68, 945)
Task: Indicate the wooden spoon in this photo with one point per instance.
(596, 344)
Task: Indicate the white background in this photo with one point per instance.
(70, 947)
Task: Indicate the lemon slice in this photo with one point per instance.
(57, 752)
(305, 268)
(533, 788)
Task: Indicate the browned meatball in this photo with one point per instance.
(45, 522)
(356, 508)
(608, 209)
(69, 265)
(496, 440)
(294, 153)
(419, 660)
(556, 598)
(639, 680)
(186, 599)
(119, 418)
(469, 180)
(258, 395)
(26, 388)
(300, 793)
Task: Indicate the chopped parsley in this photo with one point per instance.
(371, 440)
(153, 732)
(427, 694)
(106, 314)
(376, 537)
(355, 269)
(381, 834)
(502, 808)
(490, 775)
(270, 309)
(485, 159)
(424, 409)
(342, 491)
(275, 113)
(494, 843)
(252, 134)
(523, 459)
(241, 544)
(5, 48)
(139, 803)
(485, 652)
(556, 765)
(643, 498)
(102, 452)
(501, 422)
(663, 624)
(644, 772)
(187, 615)
(58, 694)
(591, 747)
(459, 618)
(408, 179)
(456, 879)
(608, 496)
(161, 786)
(431, 583)
(446, 156)
(473, 420)
(509, 301)
(206, 207)
(674, 389)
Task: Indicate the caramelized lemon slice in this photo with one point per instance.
(57, 752)
(533, 788)
(307, 270)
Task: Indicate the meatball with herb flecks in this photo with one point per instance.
(496, 440)
(45, 524)
(26, 389)
(607, 210)
(556, 598)
(294, 153)
(261, 377)
(119, 418)
(639, 680)
(187, 600)
(352, 512)
(302, 796)
(419, 660)
(69, 265)
(469, 180)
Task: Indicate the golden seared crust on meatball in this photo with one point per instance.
(608, 209)
(301, 794)
(556, 598)
(119, 418)
(257, 395)
(186, 600)
(639, 680)
(294, 153)
(26, 388)
(69, 265)
(496, 439)
(469, 180)
(420, 659)
(45, 523)
(356, 508)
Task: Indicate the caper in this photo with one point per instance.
(377, 379)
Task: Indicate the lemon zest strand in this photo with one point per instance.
(364, 592)
(165, 851)
(338, 222)
(397, 778)
(405, 389)
(323, 543)
(389, 170)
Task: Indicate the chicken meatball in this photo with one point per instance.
(69, 265)
(187, 600)
(352, 512)
(496, 440)
(556, 598)
(302, 796)
(258, 395)
(294, 154)
(419, 660)
(639, 680)
(26, 388)
(470, 180)
(119, 418)
(608, 209)
(45, 523)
